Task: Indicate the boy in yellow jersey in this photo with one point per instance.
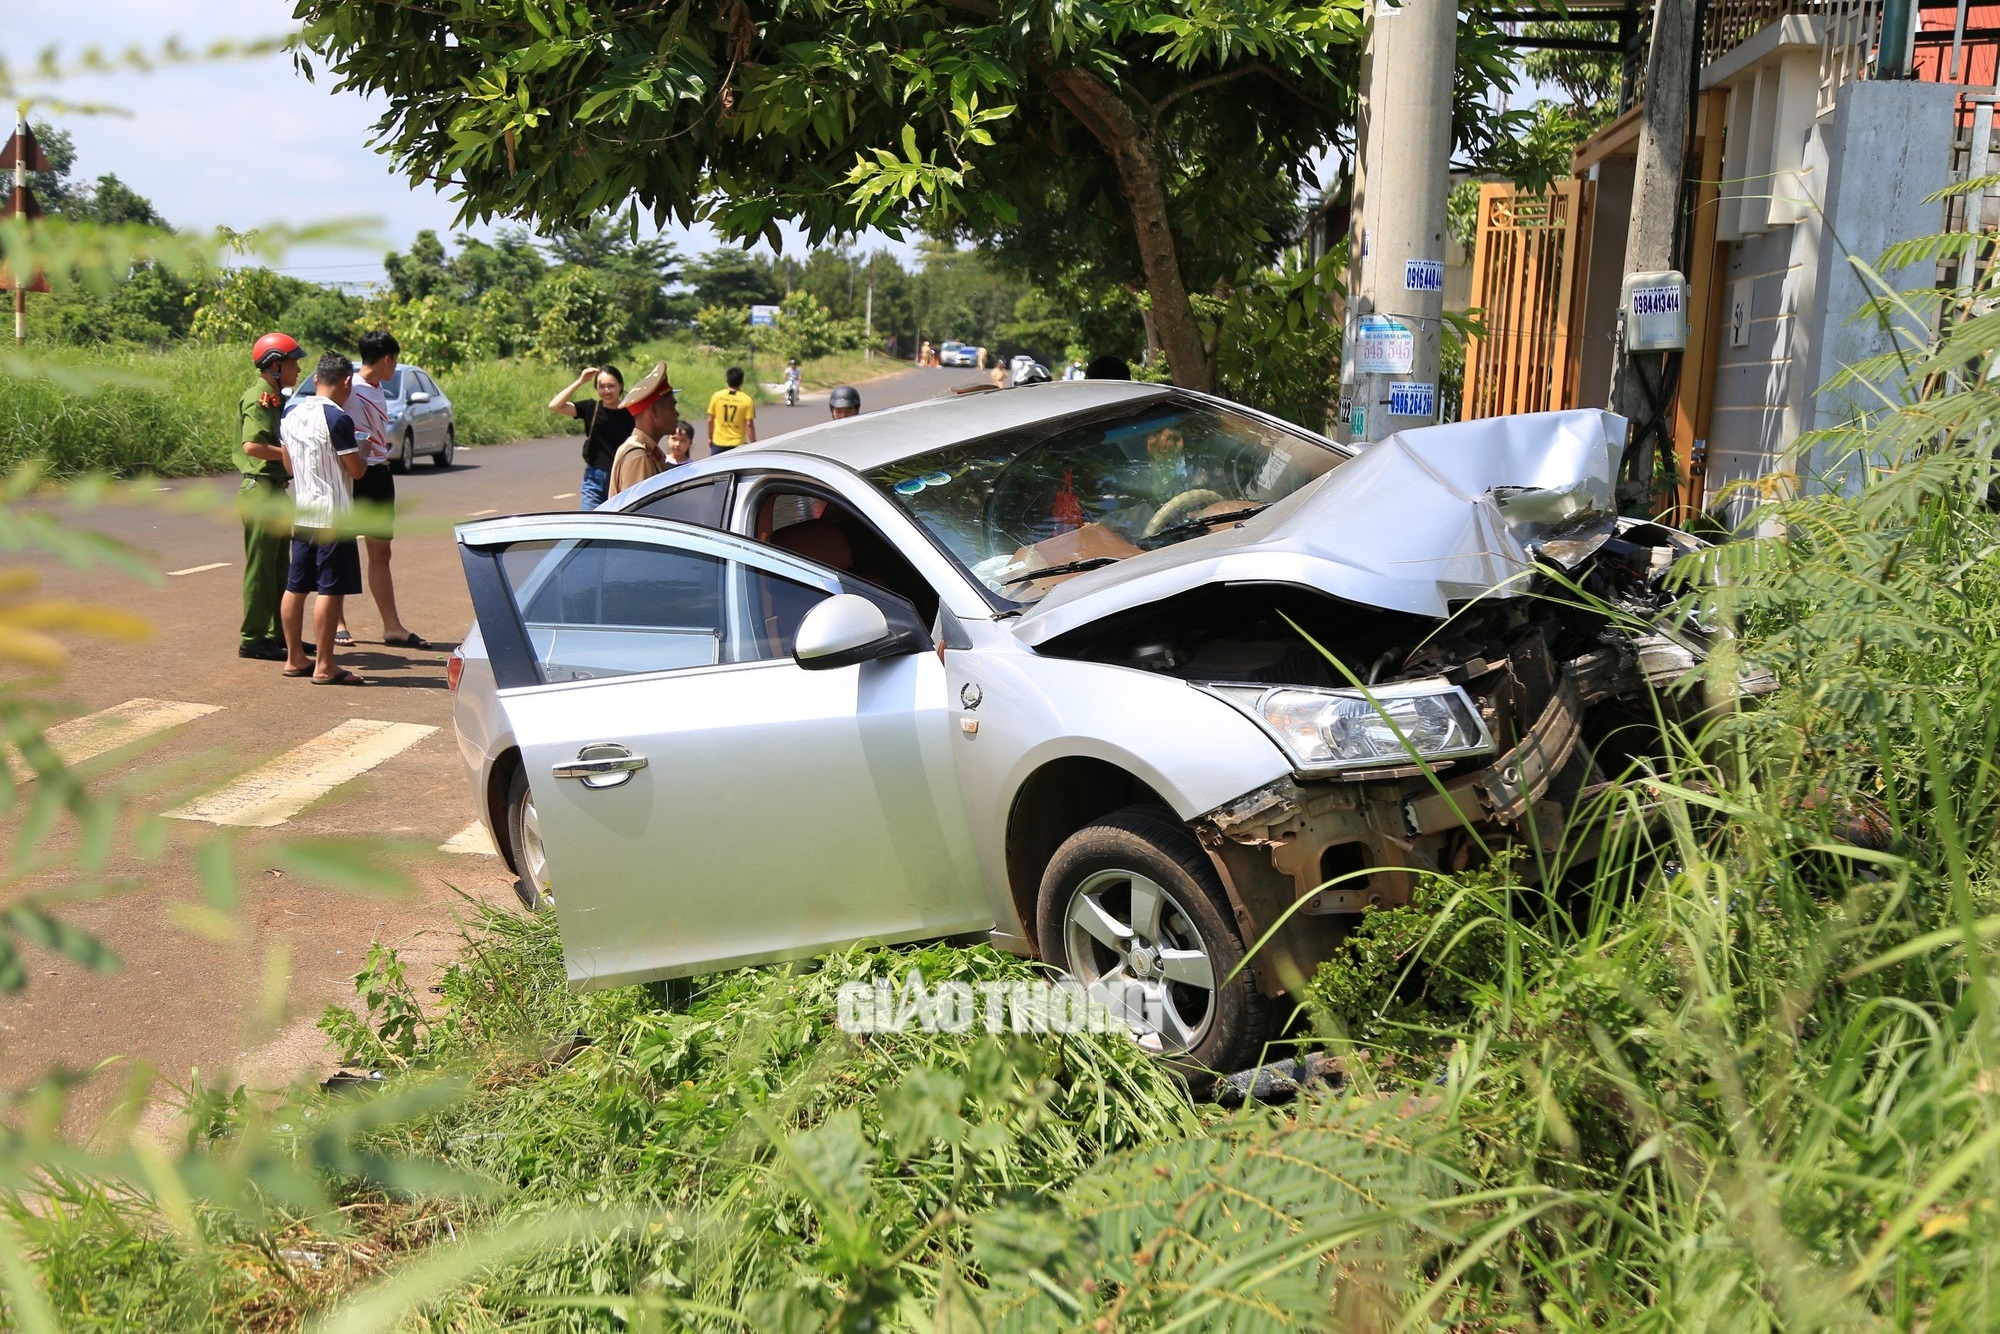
(732, 417)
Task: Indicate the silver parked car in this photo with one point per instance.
(954, 353)
(1112, 674)
(420, 420)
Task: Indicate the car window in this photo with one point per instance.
(597, 609)
(828, 533)
(698, 502)
(428, 385)
(1064, 496)
(393, 386)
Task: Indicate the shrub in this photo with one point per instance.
(238, 306)
(580, 322)
(806, 329)
(724, 328)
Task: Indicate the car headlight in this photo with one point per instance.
(1331, 730)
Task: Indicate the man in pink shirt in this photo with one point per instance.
(375, 489)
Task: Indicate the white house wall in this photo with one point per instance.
(1761, 389)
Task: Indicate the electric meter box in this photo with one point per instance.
(1655, 306)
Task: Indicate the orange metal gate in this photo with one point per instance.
(1526, 272)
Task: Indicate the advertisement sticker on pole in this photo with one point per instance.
(1383, 346)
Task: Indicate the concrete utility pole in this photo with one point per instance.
(1389, 357)
(1656, 189)
(868, 320)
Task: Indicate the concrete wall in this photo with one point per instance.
(1888, 146)
(1866, 170)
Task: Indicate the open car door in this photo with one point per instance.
(704, 800)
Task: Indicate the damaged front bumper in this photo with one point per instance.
(1353, 844)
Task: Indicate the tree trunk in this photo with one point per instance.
(1101, 111)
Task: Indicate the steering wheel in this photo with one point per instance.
(1177, 509)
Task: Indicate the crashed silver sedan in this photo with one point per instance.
(1116, 675)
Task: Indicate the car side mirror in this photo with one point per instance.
(420, 397)
(848, 628)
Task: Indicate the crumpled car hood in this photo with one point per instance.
(1424, 519)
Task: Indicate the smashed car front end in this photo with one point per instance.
(1458, 644)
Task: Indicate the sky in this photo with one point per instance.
(246, 142)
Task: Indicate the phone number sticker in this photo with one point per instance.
(1423, 275)
(1411, 398)
(1656, 300)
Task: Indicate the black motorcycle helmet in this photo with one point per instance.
(844, 396)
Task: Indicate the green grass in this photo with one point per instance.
(848, 368)
(128, 411)
(170, 413)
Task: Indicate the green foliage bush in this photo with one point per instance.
(580, 321)
(724, 328)
(806, 329)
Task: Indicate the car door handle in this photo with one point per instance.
(602, 765)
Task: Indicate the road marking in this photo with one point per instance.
(273, 793)
(199, 569)
(480, 514)
(473, 841)
(567, 495)
(95, 734)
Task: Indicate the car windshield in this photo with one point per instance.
(393, 386)
(1025, 510)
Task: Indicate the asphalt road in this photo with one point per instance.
(235, 740)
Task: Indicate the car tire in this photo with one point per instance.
(524, 845)
(405, 454)
(1137, 856)
(442, 458)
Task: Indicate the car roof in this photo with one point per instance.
(876, 439)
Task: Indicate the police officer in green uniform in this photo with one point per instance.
(261, 460)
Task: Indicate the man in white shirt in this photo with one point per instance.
(375, 490)
(324, 457)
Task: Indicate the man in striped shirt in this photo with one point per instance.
(375, 491)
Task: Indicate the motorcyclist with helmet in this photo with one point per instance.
(794, 378)
(261, 499)
(844, 400)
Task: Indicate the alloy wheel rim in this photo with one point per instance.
(1136, 946)
(534, 857)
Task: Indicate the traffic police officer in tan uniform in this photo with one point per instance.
(260, 499)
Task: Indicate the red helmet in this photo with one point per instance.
(273, 348)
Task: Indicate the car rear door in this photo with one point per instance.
(430, 416)
(704, 801)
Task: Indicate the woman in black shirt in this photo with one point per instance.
(605, 427)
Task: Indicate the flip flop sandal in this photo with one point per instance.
(342, 677)
(342, 637)
(410, 640)
(303, 671)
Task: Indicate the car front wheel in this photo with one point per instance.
(407, 453)
(524, 842)
(1131, 908)
(443, 457)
